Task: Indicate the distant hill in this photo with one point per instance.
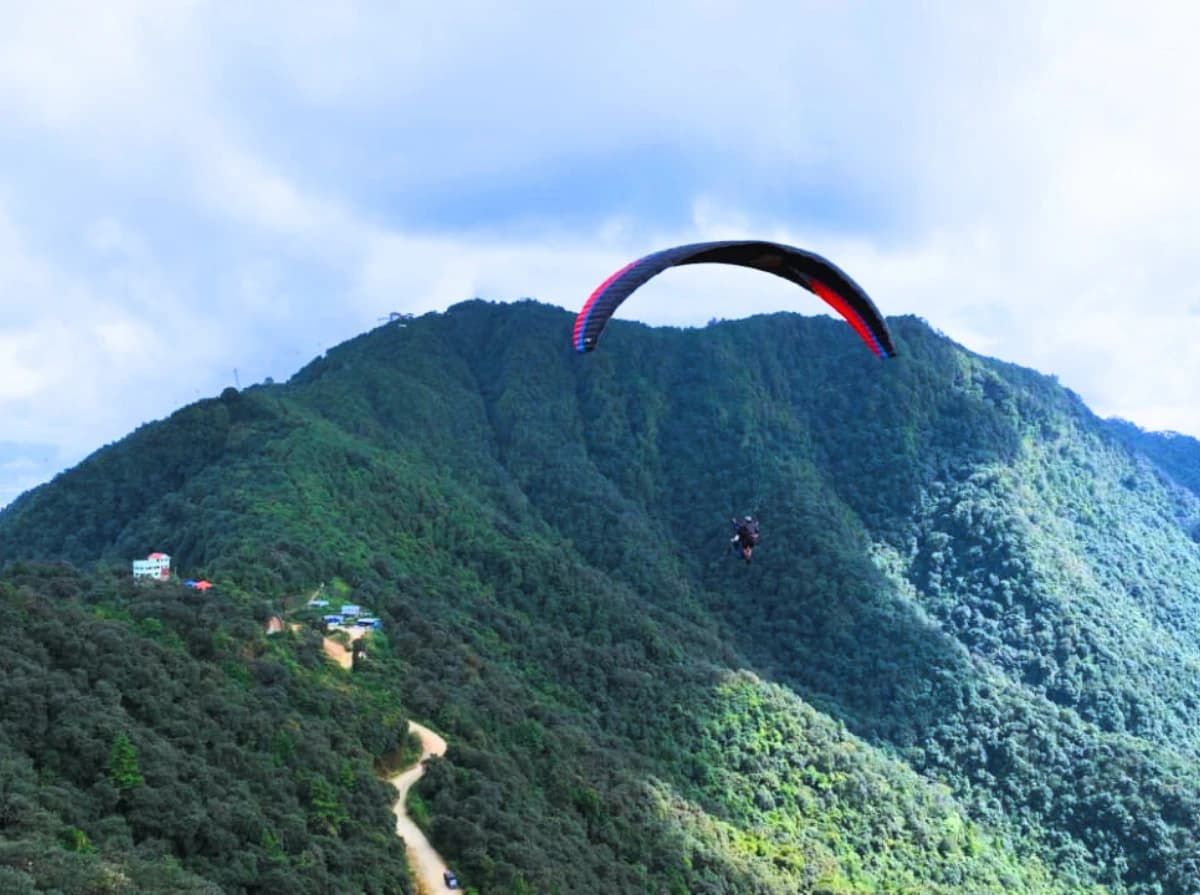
(963, 660)
(1175, 453)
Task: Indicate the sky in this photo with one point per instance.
(195, 195)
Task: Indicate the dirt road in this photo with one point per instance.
(426, 865)
(339, 653)
(334, 648)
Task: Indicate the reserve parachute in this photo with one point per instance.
(816, 274)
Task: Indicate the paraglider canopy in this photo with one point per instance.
(816, 274)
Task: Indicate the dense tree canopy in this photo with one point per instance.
(963, 659)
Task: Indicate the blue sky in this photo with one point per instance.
(190, 188)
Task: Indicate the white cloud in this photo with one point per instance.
(21, 375)
(204, 186)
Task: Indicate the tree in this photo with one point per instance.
(123, 766)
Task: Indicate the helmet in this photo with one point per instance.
(749, 518)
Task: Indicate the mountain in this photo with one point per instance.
(1175, 453)
(963, 659)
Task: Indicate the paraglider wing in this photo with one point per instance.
(816, 274)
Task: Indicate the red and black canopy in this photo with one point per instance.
(816, 274)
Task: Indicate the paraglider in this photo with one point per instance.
(816, 274)
(806, 269)
(745, 537)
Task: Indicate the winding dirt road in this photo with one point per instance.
(426, 865)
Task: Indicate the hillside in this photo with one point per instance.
(963, 660)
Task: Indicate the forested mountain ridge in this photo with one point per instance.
(964, 658)
(1173, 452)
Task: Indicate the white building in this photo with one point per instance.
(156, 565)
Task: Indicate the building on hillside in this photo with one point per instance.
(274, 625)
(156, 565)
(351, 610)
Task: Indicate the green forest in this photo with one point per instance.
(964, 659)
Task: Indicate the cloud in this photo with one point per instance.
(207, 186)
